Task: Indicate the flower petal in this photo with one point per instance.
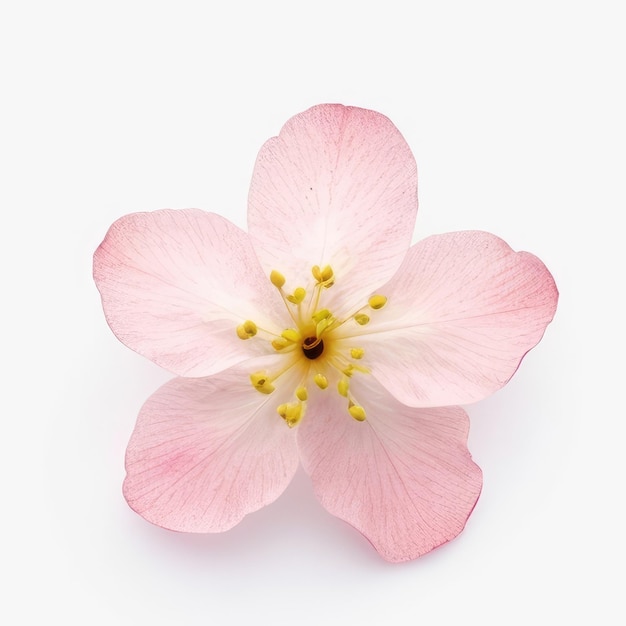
(403, 477)
(175, 285)
(462, 311)
(338, 186)
(206, 452)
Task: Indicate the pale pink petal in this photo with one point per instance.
(338, 186)
(175, 285)
(462, 311)
(403, 477)
(207, 451)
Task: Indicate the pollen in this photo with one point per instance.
(291, 334)
(321, 381)
(261, 382)
(291, 412)
(357, 412)
(320, 315)
(277, 279)
(377, 302)
(357, 353)
(301, 394)
(342, 387)
(298, 296)
(246, 330)
(324, 277)
(322, 325)
(361, 319)
(280, 344)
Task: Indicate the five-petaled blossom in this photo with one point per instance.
(319, 336)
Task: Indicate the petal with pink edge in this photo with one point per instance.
(206, 452)
(404, 477)
(338, 186)
(462, 311)
(175, 285)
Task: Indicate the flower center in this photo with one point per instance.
(314, 345)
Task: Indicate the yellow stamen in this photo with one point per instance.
(261, 382)
(377, 302)
(318, 325)
(357, 412)
(278, 280)
(291, 334)
(327, 273)
(324, 277)
(349, 370)
(320, 380)
(321, 327)
(291, 413)
(298, 296)
(246, 330)
(280, 344)
(361, 319)
(320, 315)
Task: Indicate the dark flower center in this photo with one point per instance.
(312, 347)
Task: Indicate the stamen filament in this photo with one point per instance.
(316, 297)
(291, 315)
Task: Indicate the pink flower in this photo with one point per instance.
(320, 336)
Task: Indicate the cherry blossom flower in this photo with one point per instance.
(320, 336)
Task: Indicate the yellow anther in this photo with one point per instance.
(291, 334)
(320, 315)
(320, 380)
(302, 394)
(278, 280)
(258, 378)
(281, 344)
(377, 302)
(291, 413)
(246, 330)
(349, 370)
(357, 412)
(357, 353)
(298, 296)
(261, 382)
(342, 387)
(361, 319)
(325, 277)
(327, 273)
(322, 325)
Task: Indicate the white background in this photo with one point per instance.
(515, 112)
